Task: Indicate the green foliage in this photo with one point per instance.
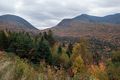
(43, 51)
(69, 49)
(78, 65)
(59, 49)
(64, 59)
(55, 54)
(85, 52)
(55, 59)
(4, 40)
(76, 60)
(34, 48)
(59, 56)
(21, 44)
(114, 66)
(116, 56)
(82, 48)
(50, 38)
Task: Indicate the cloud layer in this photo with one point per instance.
(47, 13)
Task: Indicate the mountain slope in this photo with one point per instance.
(110, 19)
(89, 26)
(15, 23)
(114, 19)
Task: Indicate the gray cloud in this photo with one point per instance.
(47, 13)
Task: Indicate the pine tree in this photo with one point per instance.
(59, 49)
(69, 49)
(43, 51)
(4, 40)
(50, 37)
(21, 44)
(113, 68)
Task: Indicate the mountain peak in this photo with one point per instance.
(10, 16)
(109, 19)
(112, 19)
(84, 15)
(13, 20)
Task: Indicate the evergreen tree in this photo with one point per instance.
(43, 51)
(4, 40)
(45, 35)
(50, 37)
(113, 68)
(69, 49)
(21, 44)
(59, 49)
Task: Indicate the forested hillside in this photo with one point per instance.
(105, 28)
(43, 57)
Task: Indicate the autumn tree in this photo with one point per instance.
(64, 59)
(76, 59)
(82, 48)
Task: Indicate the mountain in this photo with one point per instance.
(114, 19)
(15, 23)
(89, 26)
(110, 19)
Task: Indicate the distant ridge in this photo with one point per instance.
(110, 19)
(85, 25)
(115, 18)
(13, 22)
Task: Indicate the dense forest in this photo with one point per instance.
(44, 57)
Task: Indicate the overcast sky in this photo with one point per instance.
(47, 13)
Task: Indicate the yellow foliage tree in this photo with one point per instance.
(78, 64)
(82, 48)
(64, 59)
(98, 72)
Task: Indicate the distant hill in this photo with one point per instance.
(89, 26)
(15, 23)
(110, 19)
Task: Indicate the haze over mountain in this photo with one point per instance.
(15, 23)
(87, 25)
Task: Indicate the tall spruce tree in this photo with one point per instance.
(4, 40)
(50, 37)
(43, 51)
